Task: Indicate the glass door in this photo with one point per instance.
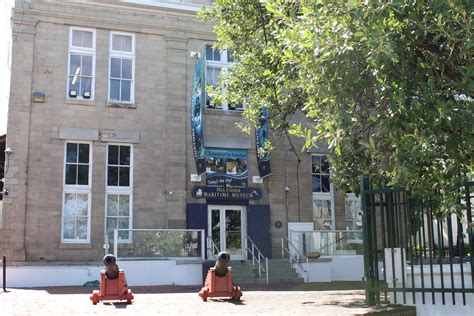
(227, 229)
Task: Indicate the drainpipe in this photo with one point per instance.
(297, 175)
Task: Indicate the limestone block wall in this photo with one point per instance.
(33, 209)
(157, 124)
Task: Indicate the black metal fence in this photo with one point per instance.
(414, 254)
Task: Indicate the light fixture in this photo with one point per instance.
(86, 95)
(195, 178)
(73, 93)
(38, 97)
(8, 151)
(194, 54)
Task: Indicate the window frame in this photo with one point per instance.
(119, 190)
(331, 187)
(323, 196)
(89, 204)
(224, 64)
(82, 51)
(77, 189)
(121, 55)
(351, 197)
(77, 186)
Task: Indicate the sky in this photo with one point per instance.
(5, 58)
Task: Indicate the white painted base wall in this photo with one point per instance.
(413, 280)
(337, 268)
(347, 268)
(160, 272)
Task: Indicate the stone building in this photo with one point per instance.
(101, 136)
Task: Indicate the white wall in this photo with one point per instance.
(337, 268)
(414, 279)
(162, 272)
(347, 268)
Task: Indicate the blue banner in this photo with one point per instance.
(261, 138)
(226, 167)
(197, 122)
(227, 193)
(227, 180)
(226, 153)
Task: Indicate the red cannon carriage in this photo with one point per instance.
(113, 284)
(219, 281)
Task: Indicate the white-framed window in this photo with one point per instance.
(353, 212)
(323, 194)
(122, 67)
(119, 191)
(76, 201)
(216, 62)
(81, 63)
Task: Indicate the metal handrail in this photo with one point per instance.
(257, 258)
(298, 255)
(4, 265)
(211, 247)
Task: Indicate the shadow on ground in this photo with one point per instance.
(326, 286)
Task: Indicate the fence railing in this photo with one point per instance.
(158, 244)
(4, 270)
(212, 248)
(257, 257)
(295, 256)
(328, 242)
(412, 253)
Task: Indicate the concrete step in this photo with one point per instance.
(270, 281)
(280, 272)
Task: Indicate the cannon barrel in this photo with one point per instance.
(222, 263)
(111, 268)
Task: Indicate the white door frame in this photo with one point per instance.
(243, 227)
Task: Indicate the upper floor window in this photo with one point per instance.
(216, 62)
(119, 165)
(323, 197)
(119, 190)
(121, 67)
(320, 174)
(81, 63)
(77, 164)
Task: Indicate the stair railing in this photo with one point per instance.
(257, 257)
(212, 249)
(298, 258)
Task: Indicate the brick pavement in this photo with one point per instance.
(184, 300)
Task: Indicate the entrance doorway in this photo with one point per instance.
(227, 228)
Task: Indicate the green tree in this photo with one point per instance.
(388, 84)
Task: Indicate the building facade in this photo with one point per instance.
(101, 132)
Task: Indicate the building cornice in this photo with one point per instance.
(160, 23)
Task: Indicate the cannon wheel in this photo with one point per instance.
(236, 293)
(94, 299)
(203, 295)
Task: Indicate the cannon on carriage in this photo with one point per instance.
(113, 284)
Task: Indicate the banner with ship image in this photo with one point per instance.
(197, 122)
(261, 138)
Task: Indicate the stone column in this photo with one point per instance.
(12, 233)
(176, 114)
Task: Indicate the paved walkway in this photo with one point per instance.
(184, 300)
